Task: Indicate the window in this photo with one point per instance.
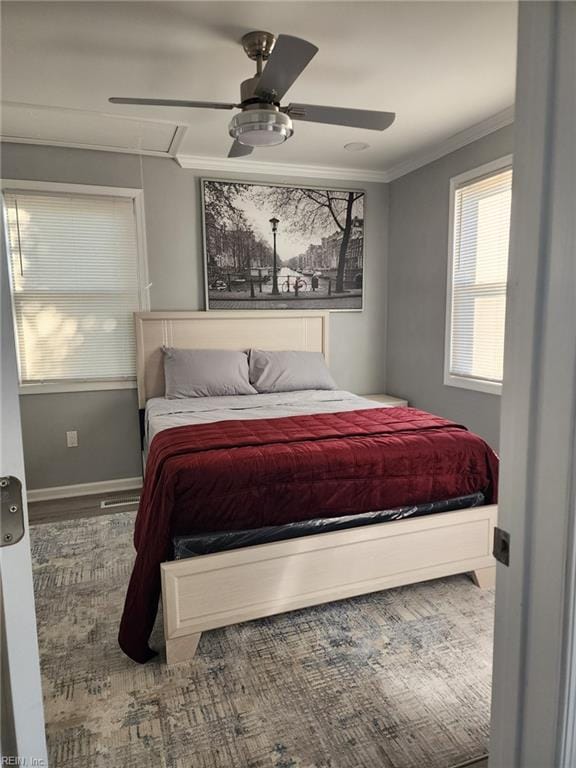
(78, 274)
(477, 273)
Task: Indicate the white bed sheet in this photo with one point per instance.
(162, 413)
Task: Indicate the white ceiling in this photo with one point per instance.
(441, 66)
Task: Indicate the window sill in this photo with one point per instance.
(478, 385)
(56, 387)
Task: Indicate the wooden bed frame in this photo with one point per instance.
(217, 590)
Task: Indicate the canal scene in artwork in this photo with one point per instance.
(282, 247)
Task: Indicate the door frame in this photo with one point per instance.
(22, 717)
(534, 683)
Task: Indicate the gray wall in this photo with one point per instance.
(107, 421)
(417, 268)
(395, 345)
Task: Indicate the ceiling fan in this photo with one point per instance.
(262, 120)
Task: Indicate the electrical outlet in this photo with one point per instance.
(72, 439)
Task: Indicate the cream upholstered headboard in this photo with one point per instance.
(274, 330)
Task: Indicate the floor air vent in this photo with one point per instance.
(119, 501)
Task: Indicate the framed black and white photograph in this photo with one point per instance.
(270, 246)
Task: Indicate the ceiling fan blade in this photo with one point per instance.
(240, 150)
(355, 118)
(172, 103)
(289, 58)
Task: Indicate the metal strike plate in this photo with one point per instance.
(11, 513)
(501, 549)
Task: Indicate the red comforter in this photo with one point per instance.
(245, 474)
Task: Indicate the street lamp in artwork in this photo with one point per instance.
(274, 221)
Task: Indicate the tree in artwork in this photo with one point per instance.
(310, 209)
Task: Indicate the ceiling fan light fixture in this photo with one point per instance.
(260, 127)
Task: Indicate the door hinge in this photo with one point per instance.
(501, 550)
(11, 512)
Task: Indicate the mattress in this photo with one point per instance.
(193, 545)
(162, 413)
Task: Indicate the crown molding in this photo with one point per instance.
(244, 166)
(451, 144)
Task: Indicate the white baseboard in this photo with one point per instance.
(84, 489)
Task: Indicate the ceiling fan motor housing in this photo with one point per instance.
(248, 89)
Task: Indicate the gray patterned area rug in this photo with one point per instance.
(398, 679)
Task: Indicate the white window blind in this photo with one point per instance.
(75, 283)
(481, 233)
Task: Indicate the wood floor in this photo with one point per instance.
(78, 506)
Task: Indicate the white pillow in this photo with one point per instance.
(205, 373)
(289, 371)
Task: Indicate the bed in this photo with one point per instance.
(250, 579)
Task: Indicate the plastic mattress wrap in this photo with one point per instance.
(193, 545)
